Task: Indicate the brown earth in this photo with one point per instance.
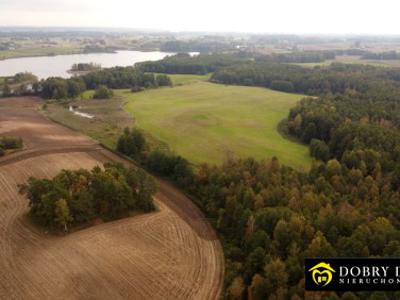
(169, 254)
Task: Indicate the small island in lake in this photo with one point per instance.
(84, 68)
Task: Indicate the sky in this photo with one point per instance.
(260, 16)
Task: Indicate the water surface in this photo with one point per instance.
(47, 66)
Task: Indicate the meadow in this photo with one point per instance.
(106, 127)
(206, 122)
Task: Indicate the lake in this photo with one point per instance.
(47, 66)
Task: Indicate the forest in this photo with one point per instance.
(270, 216)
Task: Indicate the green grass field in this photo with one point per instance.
(184, 79)
(30, 52)
(206, 122)
(108, 124)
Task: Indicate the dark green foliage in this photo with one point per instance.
(119, 78)
(54, 88)
(171, 166)
(163, 80)
(132, 143)
(112, 78)
(281, 85)
(60, 88)
(10, 143)
(183, 63)
(76, 86)
(103, 92)
(78, 197)
(85, 67)
(270, 216)
(319, 149)
(336, 78)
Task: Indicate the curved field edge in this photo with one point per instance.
(170, 254)
(206, 122)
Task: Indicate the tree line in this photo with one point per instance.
(336, 78)
(112, 78)
(387, 55)
(183, 63)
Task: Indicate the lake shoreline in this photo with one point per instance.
(82, 52)
(59, 65)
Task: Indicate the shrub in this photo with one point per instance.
(10, 143)
(103, 92)
(132, 143)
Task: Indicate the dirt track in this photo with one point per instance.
(169, 254)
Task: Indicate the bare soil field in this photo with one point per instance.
(169, 254)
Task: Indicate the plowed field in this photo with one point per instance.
(169, 254)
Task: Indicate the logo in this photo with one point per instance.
(322, 274)
(352, 274)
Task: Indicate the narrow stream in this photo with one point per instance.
(81, 114)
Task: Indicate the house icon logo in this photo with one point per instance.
(322, 274)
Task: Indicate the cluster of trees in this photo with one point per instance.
(103, 92)
(22, 77)
(19, 84)
(75, 198)
(85, 67)
(113, 78)
(124, 78)
(9, 143)
(133, 144)
(165, 163)
(60, 88)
